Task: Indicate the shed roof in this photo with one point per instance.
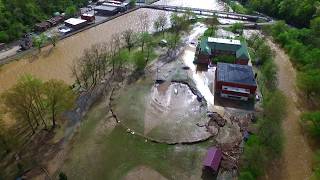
(213, 158)
(75, 21)
(235, 73)
(106, 8)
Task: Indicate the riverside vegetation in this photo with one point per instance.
(301, 41)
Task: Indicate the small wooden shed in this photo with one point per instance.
(213, 159)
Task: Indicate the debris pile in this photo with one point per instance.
(230, 133)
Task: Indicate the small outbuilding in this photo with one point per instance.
(213, 159)
(55, 20)
(235, 81)
(106, 10)
(75, 23)
(43, 26)
(88, 17)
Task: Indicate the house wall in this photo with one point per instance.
(242, 61)
(219, 84)
(217, 52)
(203, 59)
(78, 26)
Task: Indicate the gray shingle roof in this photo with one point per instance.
(235, 73)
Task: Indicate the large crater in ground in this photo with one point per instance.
(168, 112)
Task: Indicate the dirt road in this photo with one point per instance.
(296, 163)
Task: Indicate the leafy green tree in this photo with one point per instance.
(54, 39)
(4, 36)
(71, 11)
(144, 37)
(58, 98)
(24, 102)
(253, 149)
(312, 119)
(173, 40)
(39, 41)
(132, 3)
(315, 26)
(139, 60)
(308, 81)
(212, 22)
(120, 59)
(237, 28)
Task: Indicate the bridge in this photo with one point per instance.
(208, 12)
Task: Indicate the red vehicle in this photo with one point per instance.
(89, 17)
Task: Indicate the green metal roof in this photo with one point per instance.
(204, 47)
(240, 50)
(242, 53)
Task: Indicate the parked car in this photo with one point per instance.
(163, 43)
(258, 98)
(64, 30)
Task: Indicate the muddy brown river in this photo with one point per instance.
(56, 63)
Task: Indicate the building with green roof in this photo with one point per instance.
(210, 48)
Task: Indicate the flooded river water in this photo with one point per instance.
(56, 63)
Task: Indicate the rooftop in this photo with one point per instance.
(213, 158)
(106, 8)
(235, 73)
(210, 43)
(224, 41)
(75, 21)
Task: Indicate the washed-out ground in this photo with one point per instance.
(104, 150)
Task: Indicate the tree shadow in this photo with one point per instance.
(208, 174)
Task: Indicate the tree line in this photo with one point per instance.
(303, 47)
(35, 105)
(19, 16)
(128, 49)
(295, 12)
(267, 144)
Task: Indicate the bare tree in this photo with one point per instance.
(163, 22)
(156, 26)
(91, 67)
(114, 50)
(144, 37)
(128, 37)
(144, 21)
